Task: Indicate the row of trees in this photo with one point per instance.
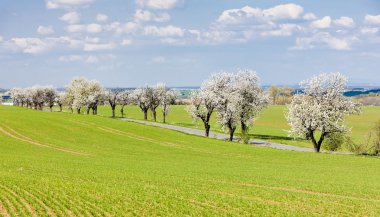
(316, 113)
(36, 97)
(280, 95)
(89, 94)
(237, 98)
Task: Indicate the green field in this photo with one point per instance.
(271, 125)
(61, 164)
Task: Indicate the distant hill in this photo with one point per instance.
(359, 91)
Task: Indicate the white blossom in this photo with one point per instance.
(142, 97)
(83, 92)
(124, 98)
(320, 107)
(166, 97)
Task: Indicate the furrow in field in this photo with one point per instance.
(3, 209)
(47, 208)
(99, 211)
(22, 200)
(11, 210)
(258, 199)
(154, 141)
(15, 135)
(79, 206)
(51, 203)
(294, 190)
(15, 206)
(66, 206)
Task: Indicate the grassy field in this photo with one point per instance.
(271, 125)
(61, 164)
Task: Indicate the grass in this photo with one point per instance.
(271, 125)
(68, 165)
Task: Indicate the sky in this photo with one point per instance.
(130, 43)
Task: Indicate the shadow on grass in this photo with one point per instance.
(270, 137)
(184, 124)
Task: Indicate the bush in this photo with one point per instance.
(334, 141)
(376, 140)
(361, 148)
(371, 146)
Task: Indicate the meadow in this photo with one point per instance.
(270, 125)
(62, 164)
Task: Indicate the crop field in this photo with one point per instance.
(271, 125)
(60, 164)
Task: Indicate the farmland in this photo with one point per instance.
(271, 125)
(63, 164)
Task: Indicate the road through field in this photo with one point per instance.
(219, 135)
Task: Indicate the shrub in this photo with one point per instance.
(376, 140)
(334, 141)
(371, 146)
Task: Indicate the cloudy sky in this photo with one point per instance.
(128, 43)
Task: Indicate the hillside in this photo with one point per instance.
(66, 165)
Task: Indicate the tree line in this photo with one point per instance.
(82, 93)
(317, 113)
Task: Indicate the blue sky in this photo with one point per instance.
(181, 42)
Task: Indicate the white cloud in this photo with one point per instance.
(94, 28)
(323, 23)
(121, 28)
(101, 17)
(92, 40)
(158, 4)
(28, 45)
(75, 28)
(286, 11)
(147, 16)
(371, 54)
(126, 42)
(218, 36)
(372, 19)
(55, 4)
(1, 38)
(86, 59)
(158, 60)
(91, 59)
(167, 31)
(70, 58)
(344, 22)
(91, 28)
(249, 14)
(97, 47)
(369, 30)
(71, 17)
(309, 16)
(325, 39)
(283, 30)
(45, 30)
(71, 43)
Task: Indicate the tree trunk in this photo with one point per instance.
(60, 108)
(232, 131)
(317, 145)
(113, 110)
(154, 115)
(78, 111)
(164, 116)
(88, 110)
(244, 129)
(207, 129)
(122, 111)
(51, 108)
(145, 114)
